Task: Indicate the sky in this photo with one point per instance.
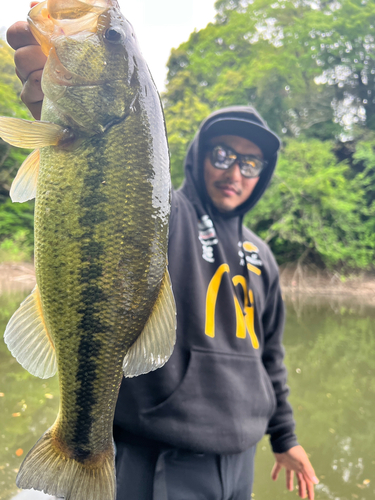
(160, 25)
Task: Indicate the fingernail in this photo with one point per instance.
(315, 480)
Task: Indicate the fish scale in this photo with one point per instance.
(103, 305)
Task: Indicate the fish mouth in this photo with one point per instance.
(51, 18)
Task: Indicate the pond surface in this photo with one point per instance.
(330, 345)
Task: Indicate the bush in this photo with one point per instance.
(16, 231)
(315, 208)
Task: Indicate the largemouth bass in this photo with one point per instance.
(103, 304)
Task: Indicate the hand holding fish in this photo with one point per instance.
(30, 61)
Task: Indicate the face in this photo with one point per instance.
(229, 188)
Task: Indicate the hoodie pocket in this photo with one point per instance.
(222, 405)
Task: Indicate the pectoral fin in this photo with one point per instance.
(28, 134)
(154, 346)
(24, 185)
(28, 340)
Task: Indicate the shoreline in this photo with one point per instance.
(16, 277)
(294, 280)
(309, 280)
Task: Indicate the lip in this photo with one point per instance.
(227, 189)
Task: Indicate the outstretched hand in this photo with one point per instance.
(296, 461)
(30, 61)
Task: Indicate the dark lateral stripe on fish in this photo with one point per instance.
(92, 297)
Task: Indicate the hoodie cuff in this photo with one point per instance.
(283, 443)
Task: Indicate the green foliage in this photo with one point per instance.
(16, 221)
(16, 231)
(10, 86)
(16, 249)
(10, 105)
(183, 120)
(314, 208)
(301, 64)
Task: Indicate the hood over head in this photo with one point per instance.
(243, 121)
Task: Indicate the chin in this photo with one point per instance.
(222, 207)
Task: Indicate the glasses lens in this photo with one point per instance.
(251, 166)
(222, 157)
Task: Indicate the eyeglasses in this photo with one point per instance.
(223, 157)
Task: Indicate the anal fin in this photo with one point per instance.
(154, 346)
(27, 338)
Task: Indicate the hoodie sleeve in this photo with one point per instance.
(281, 425)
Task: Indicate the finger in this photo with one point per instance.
(301, 485)
(275, 471)
(32, 90)
(308, 470)
(29, 59)
(32, 94)
(309, 473)
(310, 485)
(290, 480)
(36, 109)
(20, 77)
(19, 35)
(310, 490)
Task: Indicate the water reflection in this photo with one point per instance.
(330, 346)
(28, 405)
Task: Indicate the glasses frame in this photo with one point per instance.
(239, 159)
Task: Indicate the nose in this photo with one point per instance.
(234, 172)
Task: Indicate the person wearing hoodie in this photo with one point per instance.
(189, 430)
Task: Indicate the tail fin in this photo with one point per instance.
(48, 469)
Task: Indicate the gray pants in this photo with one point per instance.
(161, 473)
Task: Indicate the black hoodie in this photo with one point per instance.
(224, 386)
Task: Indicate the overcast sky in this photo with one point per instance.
(160, 25)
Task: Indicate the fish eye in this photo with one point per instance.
(113, 36)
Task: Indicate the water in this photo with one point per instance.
(330, 346)
(28, 405)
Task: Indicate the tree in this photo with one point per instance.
(315, 208)
(183, 119)
(306, 66)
